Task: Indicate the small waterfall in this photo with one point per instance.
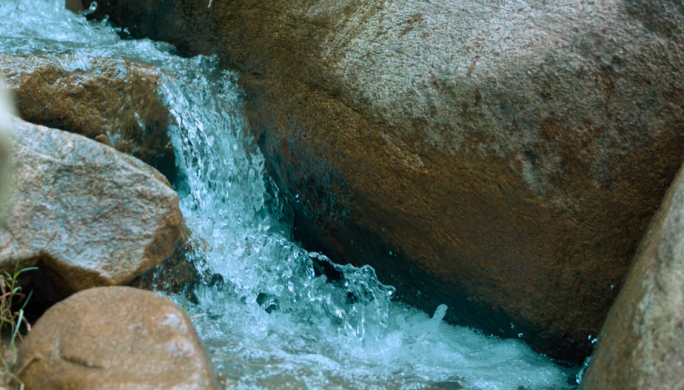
(271, 319)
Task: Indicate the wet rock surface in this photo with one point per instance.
(74, 5)
(114, 102)
(504, 159)
(84, 213)
(641, 345)
(115, 338)
(178, 273)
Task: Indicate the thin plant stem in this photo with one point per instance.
(11, 294)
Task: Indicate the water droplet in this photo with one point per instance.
(91, 9)
(440, 312)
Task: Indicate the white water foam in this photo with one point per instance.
(270, 321)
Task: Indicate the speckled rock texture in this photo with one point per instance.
(84, 213)
(501, 157)
(114, 102)
(115, 338)
(641, 346)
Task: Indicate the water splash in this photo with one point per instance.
(90, 10)
(276, 315)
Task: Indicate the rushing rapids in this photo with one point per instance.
(271, 319)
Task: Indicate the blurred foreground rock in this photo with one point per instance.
(6, 113)
(114, 102)
(503, 158)
(84, 213)
(641, 345)
(115, 338)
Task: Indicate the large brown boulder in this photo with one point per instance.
(115, 338)
(641, 345)
(502, 158)
(84, 213)
(114, 101)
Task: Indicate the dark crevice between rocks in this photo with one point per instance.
(46, 285)
(82, 362)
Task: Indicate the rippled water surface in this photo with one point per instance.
(270, 320)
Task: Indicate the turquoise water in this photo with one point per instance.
(271, 322)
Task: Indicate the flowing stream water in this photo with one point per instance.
(272, 322)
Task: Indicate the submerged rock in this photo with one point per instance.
(641, 345)
(115, 338)
(503, 158)
(112, 101)
(84, 213)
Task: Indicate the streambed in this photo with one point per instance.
(270, 319)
